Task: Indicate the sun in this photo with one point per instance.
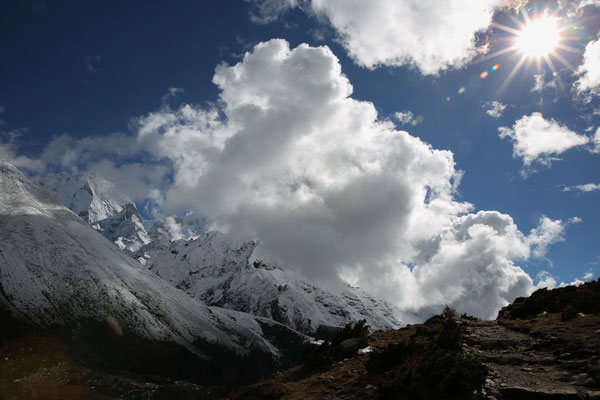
(539, 38)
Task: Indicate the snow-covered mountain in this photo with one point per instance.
(91, 197)
(225, 271)
(228, 272)
(56, 270)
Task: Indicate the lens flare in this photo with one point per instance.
(495, 67)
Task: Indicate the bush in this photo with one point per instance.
(419, 372)
(449, 312)
(431, 368)
(449, 334)
(359, 330)
(321, 357)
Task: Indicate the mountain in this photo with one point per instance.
(90, 197)
(223, 270)
(229, 272)
(58, 273)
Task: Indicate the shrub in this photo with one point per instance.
(419, 372)
(431, 368)
(449, 312)
(449, 334)
(320, 357)
(359, 330)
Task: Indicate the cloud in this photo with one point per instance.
(545, 280)
(172, 93)
(91, 63)
(542, 84)
(431, 36)
(265, 11)
(588, 187)
(588, 276)
(496, 109)
(10, 151)
(546, 233)
(596, 142)
(140, 181)
(290, 158)
(537, 140)
(404, 117)
(589, 71)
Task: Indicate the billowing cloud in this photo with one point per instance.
(589, 80)
(495, 109)
(538, 140)
(429, 35)
(290, 158)
(588, 187)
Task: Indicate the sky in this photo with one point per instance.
(429, 152)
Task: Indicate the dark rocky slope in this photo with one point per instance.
(543, 355)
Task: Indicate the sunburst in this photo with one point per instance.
(536, 39)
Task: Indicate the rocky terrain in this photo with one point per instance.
(554, 354)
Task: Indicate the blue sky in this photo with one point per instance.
(92, 81)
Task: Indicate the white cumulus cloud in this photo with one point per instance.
(539, 140)
(589, 71)
(429, 35)
(290, 158)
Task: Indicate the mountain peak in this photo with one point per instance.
(91, 197)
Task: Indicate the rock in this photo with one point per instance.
(523, 393)
(353, 344)
(569, 313)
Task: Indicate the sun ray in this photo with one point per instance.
(513, 72)
(493, 55)
(569, 48)
(564, 61)
(505, 28)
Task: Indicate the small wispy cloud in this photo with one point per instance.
(589, 275)
(404, 117)
(495, 109)
(588, 187)
(172, 93)
(91, 63)
(541, 83)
